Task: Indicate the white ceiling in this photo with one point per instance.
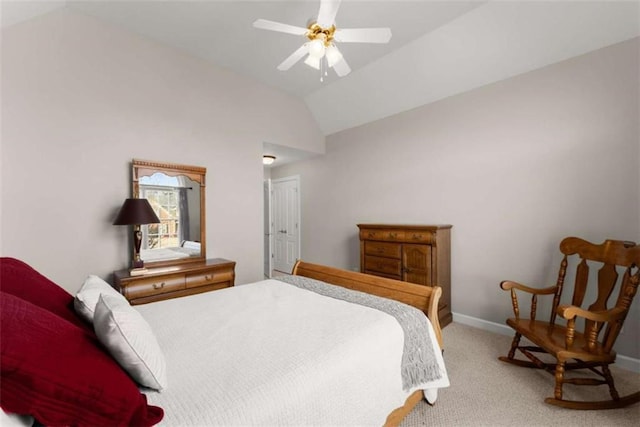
(438, 48)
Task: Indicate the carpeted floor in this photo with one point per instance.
(487, 392)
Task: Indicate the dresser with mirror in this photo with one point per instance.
(173, 250)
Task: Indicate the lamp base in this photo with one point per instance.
(138, 271)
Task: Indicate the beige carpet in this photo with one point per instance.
(487, 392)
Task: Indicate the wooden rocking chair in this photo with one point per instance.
(573, 349)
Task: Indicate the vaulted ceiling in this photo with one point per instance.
(438, 48)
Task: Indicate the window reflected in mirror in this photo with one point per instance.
(176, 201)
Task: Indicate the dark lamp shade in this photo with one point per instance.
(136, 211)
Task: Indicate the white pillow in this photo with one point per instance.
(14, 420)
(130, 340)
(87, 297)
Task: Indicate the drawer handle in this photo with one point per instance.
(392, 235)
(208, 277)
(158, 286)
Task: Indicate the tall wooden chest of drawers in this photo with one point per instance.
(412, 253)
(178, 281)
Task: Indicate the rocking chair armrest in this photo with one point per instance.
(508, 284)
(569, 312)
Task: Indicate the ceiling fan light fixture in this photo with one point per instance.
(313, 62)
(317, 48)
(267, 159)
(333, 55)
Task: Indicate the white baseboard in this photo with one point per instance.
(624, 362)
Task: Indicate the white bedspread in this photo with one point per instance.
(269, 353)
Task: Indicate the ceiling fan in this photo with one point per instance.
(321, 50)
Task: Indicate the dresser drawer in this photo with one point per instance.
(153, 286)
(390, 250)
(419, 236)
(383, 265)
(203, 278)
(384, 235)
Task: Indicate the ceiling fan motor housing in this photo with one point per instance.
(316, 32)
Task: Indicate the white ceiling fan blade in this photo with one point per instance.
(327, 13)
(342, 68)
(264, 24)
(294, 57)
(363, 35)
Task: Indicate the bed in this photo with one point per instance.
(294, 351)
(185, 250)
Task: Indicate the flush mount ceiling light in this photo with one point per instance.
(267, 160)
(322, 34)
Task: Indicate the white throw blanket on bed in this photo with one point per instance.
(269, 353)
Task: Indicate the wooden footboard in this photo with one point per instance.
(424, 298)
(395, 418)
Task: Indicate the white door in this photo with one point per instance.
(285, 203)
(267, 229)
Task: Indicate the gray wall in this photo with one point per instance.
(80, 99)
(514, 166)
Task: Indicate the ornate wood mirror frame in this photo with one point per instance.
(143, 170)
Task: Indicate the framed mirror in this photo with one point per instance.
(177, 195)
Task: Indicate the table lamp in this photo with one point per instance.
(136, 212)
